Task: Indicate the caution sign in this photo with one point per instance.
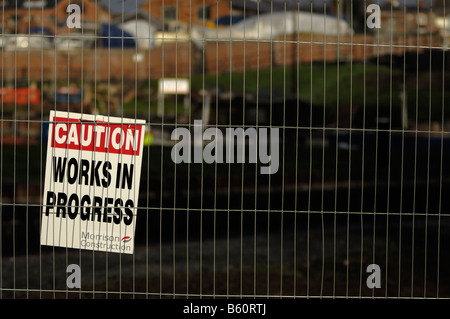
(92, 180)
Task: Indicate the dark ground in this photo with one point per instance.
(324, 255)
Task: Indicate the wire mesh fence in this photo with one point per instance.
(288, 149)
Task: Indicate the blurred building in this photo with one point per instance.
(414, 19)
(194, 12)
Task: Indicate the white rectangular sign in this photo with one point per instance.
(92, 178)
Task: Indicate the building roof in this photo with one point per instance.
(27, 4)
(119, 18)
(121, 6)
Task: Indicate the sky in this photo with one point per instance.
(129, 5)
